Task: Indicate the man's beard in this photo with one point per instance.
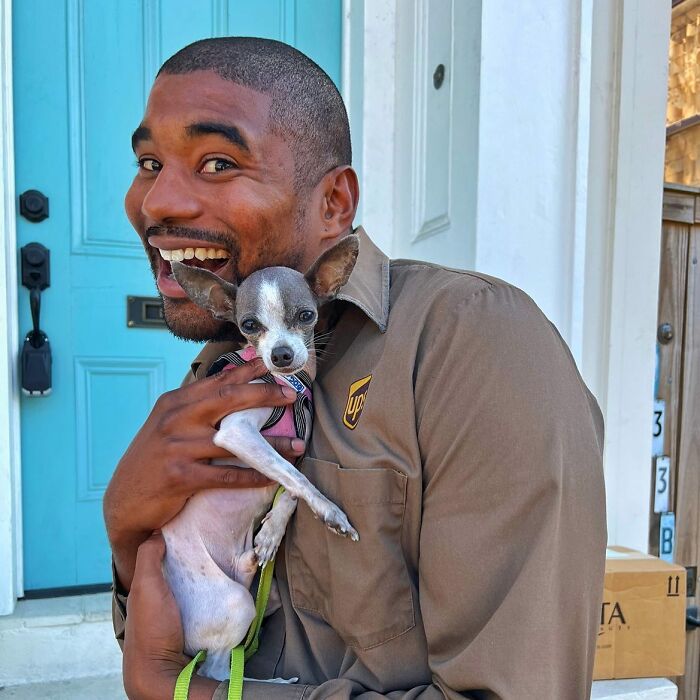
(182, 317)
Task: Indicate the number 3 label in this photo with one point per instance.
(657, 446)
(661, 498)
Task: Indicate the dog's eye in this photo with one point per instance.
(306, 316)
(250, 325)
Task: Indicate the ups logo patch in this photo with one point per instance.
(356, 401)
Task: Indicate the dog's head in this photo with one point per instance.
(275, 308)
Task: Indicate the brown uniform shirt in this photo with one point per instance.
(452, 427)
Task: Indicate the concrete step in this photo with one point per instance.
(635, 689)
(105, 688)
(58, 639)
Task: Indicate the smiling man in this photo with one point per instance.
(451, 424)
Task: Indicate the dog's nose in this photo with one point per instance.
(282, 356)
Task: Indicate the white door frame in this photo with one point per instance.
(11, 586)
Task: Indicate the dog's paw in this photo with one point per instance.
(247, 562)
(337, 521)
(267, 541)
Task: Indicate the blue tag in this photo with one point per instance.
(295, 383)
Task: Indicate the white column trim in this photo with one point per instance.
(10, 495)
(377, 184)
(582, 146)
(637, 140)
(352, 87)
(346, 75)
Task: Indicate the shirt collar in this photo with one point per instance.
(367, 288)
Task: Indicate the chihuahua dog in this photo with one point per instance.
(212, 553)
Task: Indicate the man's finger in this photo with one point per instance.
(151, 552)
(290, 448)
(149, 562)
(208, 386)
(208, 476)
(237, 397)
(235, 375)
(201, 447)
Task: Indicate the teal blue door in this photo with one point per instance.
(82, 70)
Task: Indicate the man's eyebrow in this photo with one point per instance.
(228, 131)
(142, 133)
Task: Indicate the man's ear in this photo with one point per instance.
(207, 290)
(333, 267)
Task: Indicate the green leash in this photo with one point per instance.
(243, 652)
(182, 686)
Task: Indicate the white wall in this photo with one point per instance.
(573, 98)
(570, 140)
(528, 149)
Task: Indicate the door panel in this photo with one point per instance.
(82, 71)
(436, 149)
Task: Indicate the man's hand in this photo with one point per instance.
(153, 638)
(168, 460)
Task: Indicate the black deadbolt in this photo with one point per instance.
(34, 206)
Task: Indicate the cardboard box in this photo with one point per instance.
(642, 621)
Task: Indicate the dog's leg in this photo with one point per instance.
(272, 528)
(239, 433)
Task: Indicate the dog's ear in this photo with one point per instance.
(333, 267)
(207, 290)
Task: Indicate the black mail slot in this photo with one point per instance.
(144, 312)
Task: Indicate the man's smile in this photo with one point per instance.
(192, 252)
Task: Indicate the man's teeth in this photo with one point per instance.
(181, 254)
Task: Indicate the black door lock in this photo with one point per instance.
(34, 206)
(35, 358)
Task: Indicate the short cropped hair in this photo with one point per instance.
(306, 108)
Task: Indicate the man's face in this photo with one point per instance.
(212, 174)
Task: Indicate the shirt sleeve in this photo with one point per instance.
(513, 532)
(512, 544)
(119, 597)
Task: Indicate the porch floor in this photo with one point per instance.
(105, 688)
(56, 641)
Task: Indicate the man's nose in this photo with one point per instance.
(171, 196)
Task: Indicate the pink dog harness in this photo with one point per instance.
(285, 421)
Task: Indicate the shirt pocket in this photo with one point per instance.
(361, 589)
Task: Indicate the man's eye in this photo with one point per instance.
(250, 326)
(306, 316)
(217, 165)
(150, 164)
